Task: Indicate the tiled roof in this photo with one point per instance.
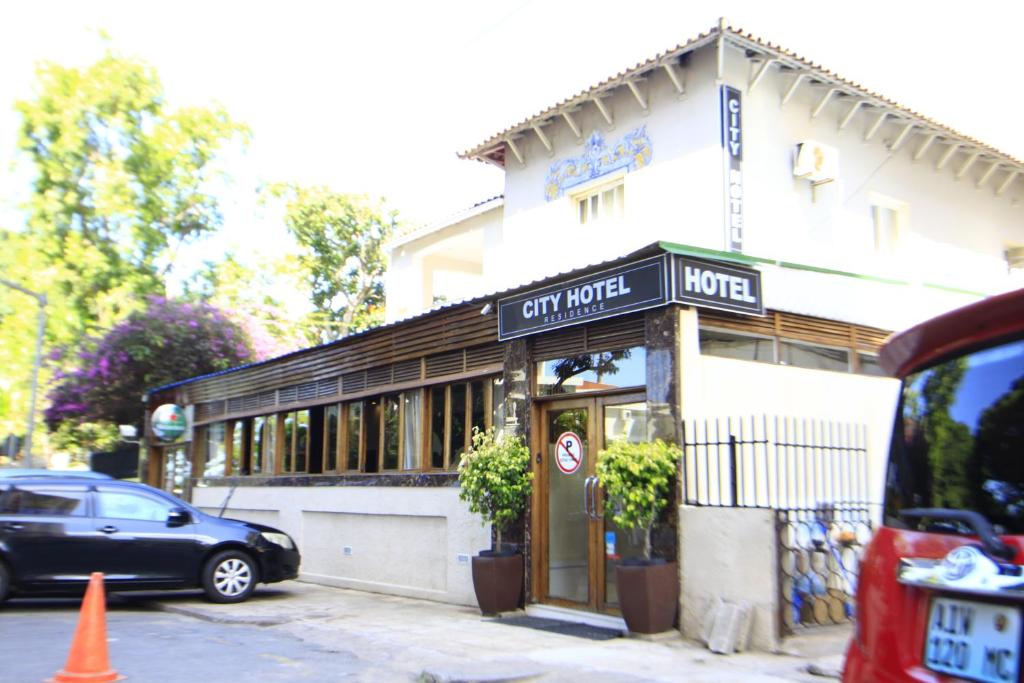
(493, 148)
(415, 231)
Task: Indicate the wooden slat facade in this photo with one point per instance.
(799, 328)
(449, 330)
(459, 343)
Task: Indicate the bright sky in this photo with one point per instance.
(378, 97)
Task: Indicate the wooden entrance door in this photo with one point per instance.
(575, 548)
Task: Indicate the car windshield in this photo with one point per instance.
(958, 441)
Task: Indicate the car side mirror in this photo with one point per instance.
(178, 517)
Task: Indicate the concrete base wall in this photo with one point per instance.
(401, 541)
(729, 553)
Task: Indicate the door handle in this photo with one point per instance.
(109, 529)
(590, 498)
(586, 496)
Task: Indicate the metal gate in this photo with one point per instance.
(814, 473)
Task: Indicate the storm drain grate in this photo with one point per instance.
(568, 628)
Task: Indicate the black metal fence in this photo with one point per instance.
(814, 473)
(773, 462)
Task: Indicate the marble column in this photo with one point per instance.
(518, 404)
(661, 339)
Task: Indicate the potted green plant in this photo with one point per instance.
(636, 478)
(495, 479)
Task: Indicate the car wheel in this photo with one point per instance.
(229, 576)
(5, 582)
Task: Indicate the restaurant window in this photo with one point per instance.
(498, 403)
(381, 434)
(332, 437)
(371, 422)
(295, 441)
(457, 431)
(263, 444)
(455, 411)
(867, 364)
(256, 445)
(814, 357)
(216, 453)
(592, 372)
(353, 439)
(392, 418)
(338, 436)
(737, 346)
(177, 470)
(412, 429)
(238, 443)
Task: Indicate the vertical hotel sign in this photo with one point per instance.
(732, 148)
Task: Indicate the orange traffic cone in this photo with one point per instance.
(88, 661)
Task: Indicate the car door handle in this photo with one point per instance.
(11, 526)
(109, 529)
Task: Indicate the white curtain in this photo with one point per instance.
(412, 429)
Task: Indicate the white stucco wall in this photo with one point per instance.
(408, 541)
(446, 261)
(675, 197)
(729, 554)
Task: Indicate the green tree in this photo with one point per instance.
(340, 237)
(121, 181)
(245, 294)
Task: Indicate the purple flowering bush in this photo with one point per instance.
(167, 342)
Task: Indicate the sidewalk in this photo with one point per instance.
(417, 640)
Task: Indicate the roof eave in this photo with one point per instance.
(493, 150)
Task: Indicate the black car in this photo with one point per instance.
(56, 531)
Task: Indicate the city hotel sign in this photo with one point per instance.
(631, 287)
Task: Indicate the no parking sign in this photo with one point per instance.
(568, 452)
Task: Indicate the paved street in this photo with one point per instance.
(151, 645)
(304, 632)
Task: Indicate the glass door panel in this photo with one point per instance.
(568, 532)
(579, 547)
(621, 421)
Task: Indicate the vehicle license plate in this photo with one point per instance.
(974, 640)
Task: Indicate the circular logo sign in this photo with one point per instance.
(568, 452)
(168, 422)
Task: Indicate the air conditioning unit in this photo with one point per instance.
(816, 162)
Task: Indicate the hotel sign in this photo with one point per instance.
(628, 288)
(713, 284)
(732, 146)
(631, 287)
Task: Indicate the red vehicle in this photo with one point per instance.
(941, 586)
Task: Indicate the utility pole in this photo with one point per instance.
(40, 332)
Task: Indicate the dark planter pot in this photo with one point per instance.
(648, 595)
(498, 581)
